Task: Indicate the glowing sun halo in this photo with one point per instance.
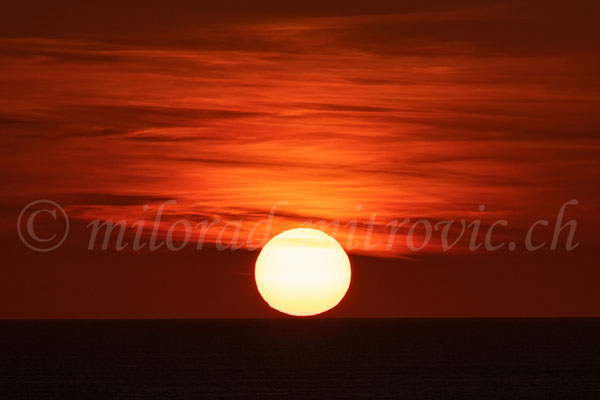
(302, 272)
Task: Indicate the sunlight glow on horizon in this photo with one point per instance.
(302, 272)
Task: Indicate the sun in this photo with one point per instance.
(302, 272)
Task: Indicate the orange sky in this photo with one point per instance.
(403, 111)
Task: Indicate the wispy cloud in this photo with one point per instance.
(404, 113)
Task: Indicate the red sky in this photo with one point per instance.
(420, 111)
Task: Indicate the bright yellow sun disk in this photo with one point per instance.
(302, 272)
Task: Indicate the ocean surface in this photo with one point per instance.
(301, 359)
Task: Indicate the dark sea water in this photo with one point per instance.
(301, 359)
